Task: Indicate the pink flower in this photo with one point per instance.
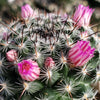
(83, 15)
(11, 55)
(26, 11)
(81, 53)
(29, 70)
(49, 62)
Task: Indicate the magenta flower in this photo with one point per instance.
(83, 15)
(81, 53)
(26, 11)
(49, 62)
(12, 55)
(29, 70)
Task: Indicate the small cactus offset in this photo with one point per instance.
(49, 56)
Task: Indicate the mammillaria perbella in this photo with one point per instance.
(12, 55)
(56, 58)
(49, 62)
(81, 53)
(83, 15)
(29, 70)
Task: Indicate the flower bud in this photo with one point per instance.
(11, 55)
(49, 62)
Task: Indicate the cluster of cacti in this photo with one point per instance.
(49, 56)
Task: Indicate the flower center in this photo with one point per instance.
(68, 88)
(26, 67)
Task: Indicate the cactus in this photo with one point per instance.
(49, 56)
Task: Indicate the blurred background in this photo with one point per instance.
(10, 9)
